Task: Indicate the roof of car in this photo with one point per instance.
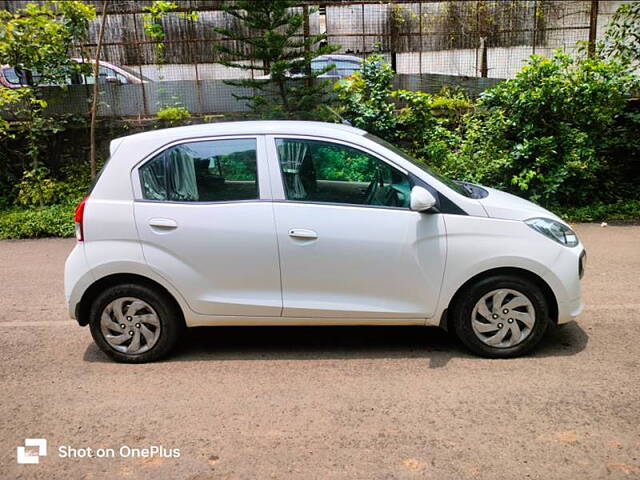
(340, 57)
(256, 127)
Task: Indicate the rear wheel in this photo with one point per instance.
(501, 316)
(134, 323)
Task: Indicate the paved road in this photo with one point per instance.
(325, 402)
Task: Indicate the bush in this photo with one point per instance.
(173, 115)
(365, 98)
(51, 221)
(37, 188)
(558, 133)
(561, 133)
(624, 211)
(428, 125)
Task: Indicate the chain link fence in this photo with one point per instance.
(470, 44)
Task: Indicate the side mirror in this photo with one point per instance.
(421, 199)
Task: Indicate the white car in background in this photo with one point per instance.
(308, 223)
(343, 66)
(107, 73)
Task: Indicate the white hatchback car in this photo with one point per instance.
(307, 223)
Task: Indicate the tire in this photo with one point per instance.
(145, 316)
(502, 335)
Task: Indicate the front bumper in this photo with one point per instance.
(582, 264)
(564, 279)
(569, 311)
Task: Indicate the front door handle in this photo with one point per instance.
(303, 233)
(163, 223)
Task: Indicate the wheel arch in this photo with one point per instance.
(550, 297)
(84, 305)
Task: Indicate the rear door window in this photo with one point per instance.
(207, 171)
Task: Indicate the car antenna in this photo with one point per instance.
(343, 120)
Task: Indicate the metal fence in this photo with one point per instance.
(471, 44)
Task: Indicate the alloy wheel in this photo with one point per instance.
(503, 318)
(130, 325)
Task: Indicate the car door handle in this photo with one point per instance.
(302, 233)
(164, 223)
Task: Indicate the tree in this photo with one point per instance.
(39, 39)
(270, 42)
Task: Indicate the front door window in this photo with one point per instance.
(323, 172)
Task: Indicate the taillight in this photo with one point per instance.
(79, 219)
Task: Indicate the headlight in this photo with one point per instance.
(554, 230)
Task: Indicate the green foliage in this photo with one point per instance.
(561, 133)
(269, 43)
(29, 124)
(152, 22)
(622, 211)
(173, 115)
(52, 221)
(15, 102)
(553, 132)
(342, 164)
(38, 188)
(39, 38)
(73, 183)
(237, 166)
(365, 97)
(622, 37)
(428, 125)
(153, 16)
(29, 121)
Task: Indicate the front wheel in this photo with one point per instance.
(134, 323)
(501, 316)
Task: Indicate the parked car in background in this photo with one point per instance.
(108, 73)
(308, 223)
(344, 66)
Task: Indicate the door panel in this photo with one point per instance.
(222, 258)
(349, 245)
(216, 241)
(364, 262)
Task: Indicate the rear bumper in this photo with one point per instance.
(77, 278)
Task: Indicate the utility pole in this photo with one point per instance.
(593, 28)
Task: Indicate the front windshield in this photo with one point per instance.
(11, 76)
(447, 181)
(135, 72)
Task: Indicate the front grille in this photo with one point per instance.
(582, 263)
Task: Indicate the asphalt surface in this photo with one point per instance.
(320, 402)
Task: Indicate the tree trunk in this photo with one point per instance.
(94, 103)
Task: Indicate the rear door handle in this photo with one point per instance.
(164, 223)
(302, 233)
